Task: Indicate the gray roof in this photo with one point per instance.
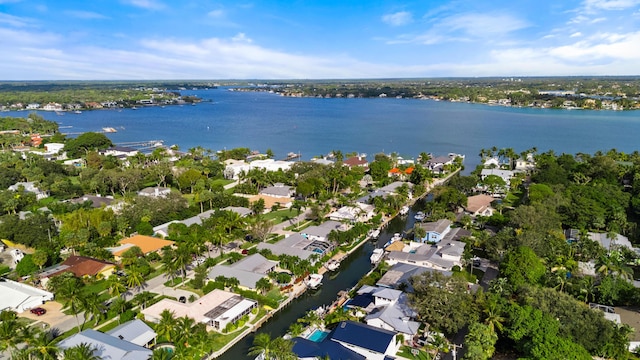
(278, 190)
(388, 294)
(401, 272)
(107, 346)
(391, 188)
(246, 278)
(134, 331)
(278, 249)
(397, 316)
(606, 242)
(439, 226)
(242, 211)
(255, 263)
(295, 240)
(323, 229)
(198, 219)
(96, 201)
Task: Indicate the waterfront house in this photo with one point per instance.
(399, 274)
(527, 164)
(441, 256)
(358, 213)
(350, 340)
(19, 297)
(360, 161)
(298, 245)
(216, 309)
(135, 331)
(479, 205)
(321, 232)
(147, 245)
(491, 163)
(248, 271)
(156, 191)
(435, 231)
(106, 346)
(505, 175)
(233, 168)
(608, 243)
(120, 151)
(386, 309)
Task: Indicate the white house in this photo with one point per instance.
(19, 297)
(359, 213)
(505, 175)
(30, 187)
(157, 191)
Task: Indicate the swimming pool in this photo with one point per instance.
(317, 335)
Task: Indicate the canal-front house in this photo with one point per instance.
(350, 340)
(435, 231)
(216, 309)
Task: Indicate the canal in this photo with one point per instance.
(352, 269)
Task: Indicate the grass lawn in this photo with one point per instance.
(405, 352)
(513, 198)
(261, 313)
(222, 182)
(219, 340)
(281, 215)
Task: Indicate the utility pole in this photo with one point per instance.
(454, 351)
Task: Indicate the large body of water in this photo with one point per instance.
(314, 126)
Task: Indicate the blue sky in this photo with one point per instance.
(190, 39)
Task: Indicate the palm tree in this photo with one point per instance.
(82, 351)
(116, 286)
(10, 331)
(166, 327)
(161, 354)
(272, 349)
(44, 346)
(135, 279)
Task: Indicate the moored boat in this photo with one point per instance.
(404, 210)
(374, 233)
(394, 238)
(313, 281)
(332, 265)
(419, 216)
(376, 256)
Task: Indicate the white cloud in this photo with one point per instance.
(15, 21)
(575, 34)
(146, 4)
(216, 14)
(81, 14)
(398, 19)
(594, 5)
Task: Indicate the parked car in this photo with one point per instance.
(182, 299)
(38, 311)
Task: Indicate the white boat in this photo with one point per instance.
(394, 238)
(376, 256)
(109, 130)
(374, 233)
(419, 216)
(313, 281)
(404, 210)
(332, 265)
(77, 112)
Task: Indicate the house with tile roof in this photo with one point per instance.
(479, 205)
(106, 346)
(80, 266)
(147, 244)
(359, 160)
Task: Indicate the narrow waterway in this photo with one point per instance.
(351, 271)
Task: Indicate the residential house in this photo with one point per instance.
(242, 211)
(29, 187)
(527, 164)
(437, 164)
(147, 244)
(19, 297)
(479, 205)
(435, 231)
(391, 189)
(156, 191)
(491, 163)
(441, 256)
(97, 201)
(321, 232)
(52, 107)
(298, 245)
(278, 191)
(401, 174)
(216, 309)
(135, 331)
(80, 266)
(399, 274)
(386, 309)
(248, 271)
(120, 151)
(505, 175)
(360, 161)
(163, 229)
(233, 168)
(358, 213)
(350, 340)
(107, 346)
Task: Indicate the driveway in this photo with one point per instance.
(54, 318)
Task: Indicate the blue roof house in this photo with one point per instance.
(350, 340)
(435, 231)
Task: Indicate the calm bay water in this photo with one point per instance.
(313, 126)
